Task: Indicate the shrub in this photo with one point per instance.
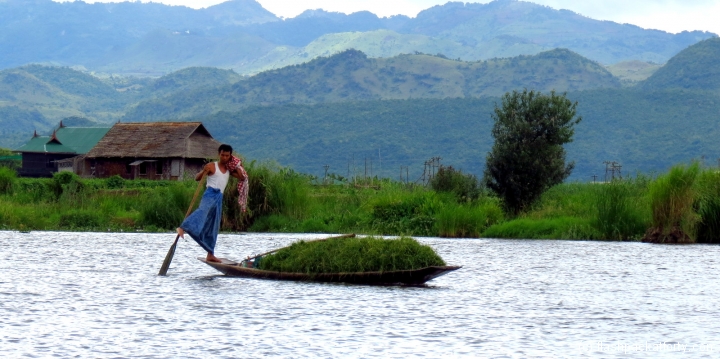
(66, 183)
(352, 255)
(465, 187)
(7, 180)
(114, 182)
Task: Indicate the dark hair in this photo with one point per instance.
(225, 148)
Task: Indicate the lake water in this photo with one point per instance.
(97, 295)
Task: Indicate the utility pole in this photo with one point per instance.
(326, 167)
(594, 177)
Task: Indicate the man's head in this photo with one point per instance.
(225, 152)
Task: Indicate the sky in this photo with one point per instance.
(668, 15)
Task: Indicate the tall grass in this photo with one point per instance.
(547, 228)
(352, 255)
(464, 221)
(671, 199)
(708, 206)
(7, 179)
(621, 207)
(165, 208)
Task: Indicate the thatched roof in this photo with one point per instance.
(157, 140)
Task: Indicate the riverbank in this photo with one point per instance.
(282, 200)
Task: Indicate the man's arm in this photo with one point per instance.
(237, 174)
(208, 169)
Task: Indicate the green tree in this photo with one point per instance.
(528, 156)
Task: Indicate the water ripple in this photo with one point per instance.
(98, 295)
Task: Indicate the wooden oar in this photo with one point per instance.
(315, 240)
(171, 252)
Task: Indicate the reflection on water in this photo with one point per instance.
(98, 295)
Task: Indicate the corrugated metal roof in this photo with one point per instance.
(77, 140)
(82, 139)
(44, 144)
(156, 140)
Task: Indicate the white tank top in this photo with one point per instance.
(218, 180)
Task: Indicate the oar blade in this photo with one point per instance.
(168, 258)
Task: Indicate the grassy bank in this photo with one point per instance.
(282, 200)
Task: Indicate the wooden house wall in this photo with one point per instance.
(108, 167)
(40, 164)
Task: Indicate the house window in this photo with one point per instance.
(158, 168)
(143, 168)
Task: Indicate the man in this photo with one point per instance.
(203, 224)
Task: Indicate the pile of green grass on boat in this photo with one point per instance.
(339, 255)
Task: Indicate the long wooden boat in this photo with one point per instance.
(401, 277)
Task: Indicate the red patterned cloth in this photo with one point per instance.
(244, 185)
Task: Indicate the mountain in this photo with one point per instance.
(695, 68)
(644, 131)
(352, 76)
(36, 97)
(78, 33)
(152, 39)
(508, 28)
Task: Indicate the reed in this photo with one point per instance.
(464, 221)
(548, 228)
(352, 255)
(671, 199)
(708, 206)
(165, 208)
(621, 209)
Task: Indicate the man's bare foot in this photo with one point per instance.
(180, 232)
(211, 258)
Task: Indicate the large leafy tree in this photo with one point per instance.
(528, 156)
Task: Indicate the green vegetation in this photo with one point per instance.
(528, 155)
(695, 68)
(621, 208)
(282, 200)
(672, 197)
(339, 255)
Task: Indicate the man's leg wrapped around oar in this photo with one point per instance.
(203, 224)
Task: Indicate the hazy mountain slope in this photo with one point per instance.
(352, 76)
(152, 39)
(527, 28)
(190, 79)
(58, 92)
(78, 33)
(695, 68)
(377, 43)
(162, 51)
(38, 97)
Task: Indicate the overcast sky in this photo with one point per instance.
(669, 15)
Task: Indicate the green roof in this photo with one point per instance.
(78, 140)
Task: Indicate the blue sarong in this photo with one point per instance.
(203, 225)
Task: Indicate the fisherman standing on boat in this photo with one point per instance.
(203, 224)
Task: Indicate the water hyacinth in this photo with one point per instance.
(343, 255)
